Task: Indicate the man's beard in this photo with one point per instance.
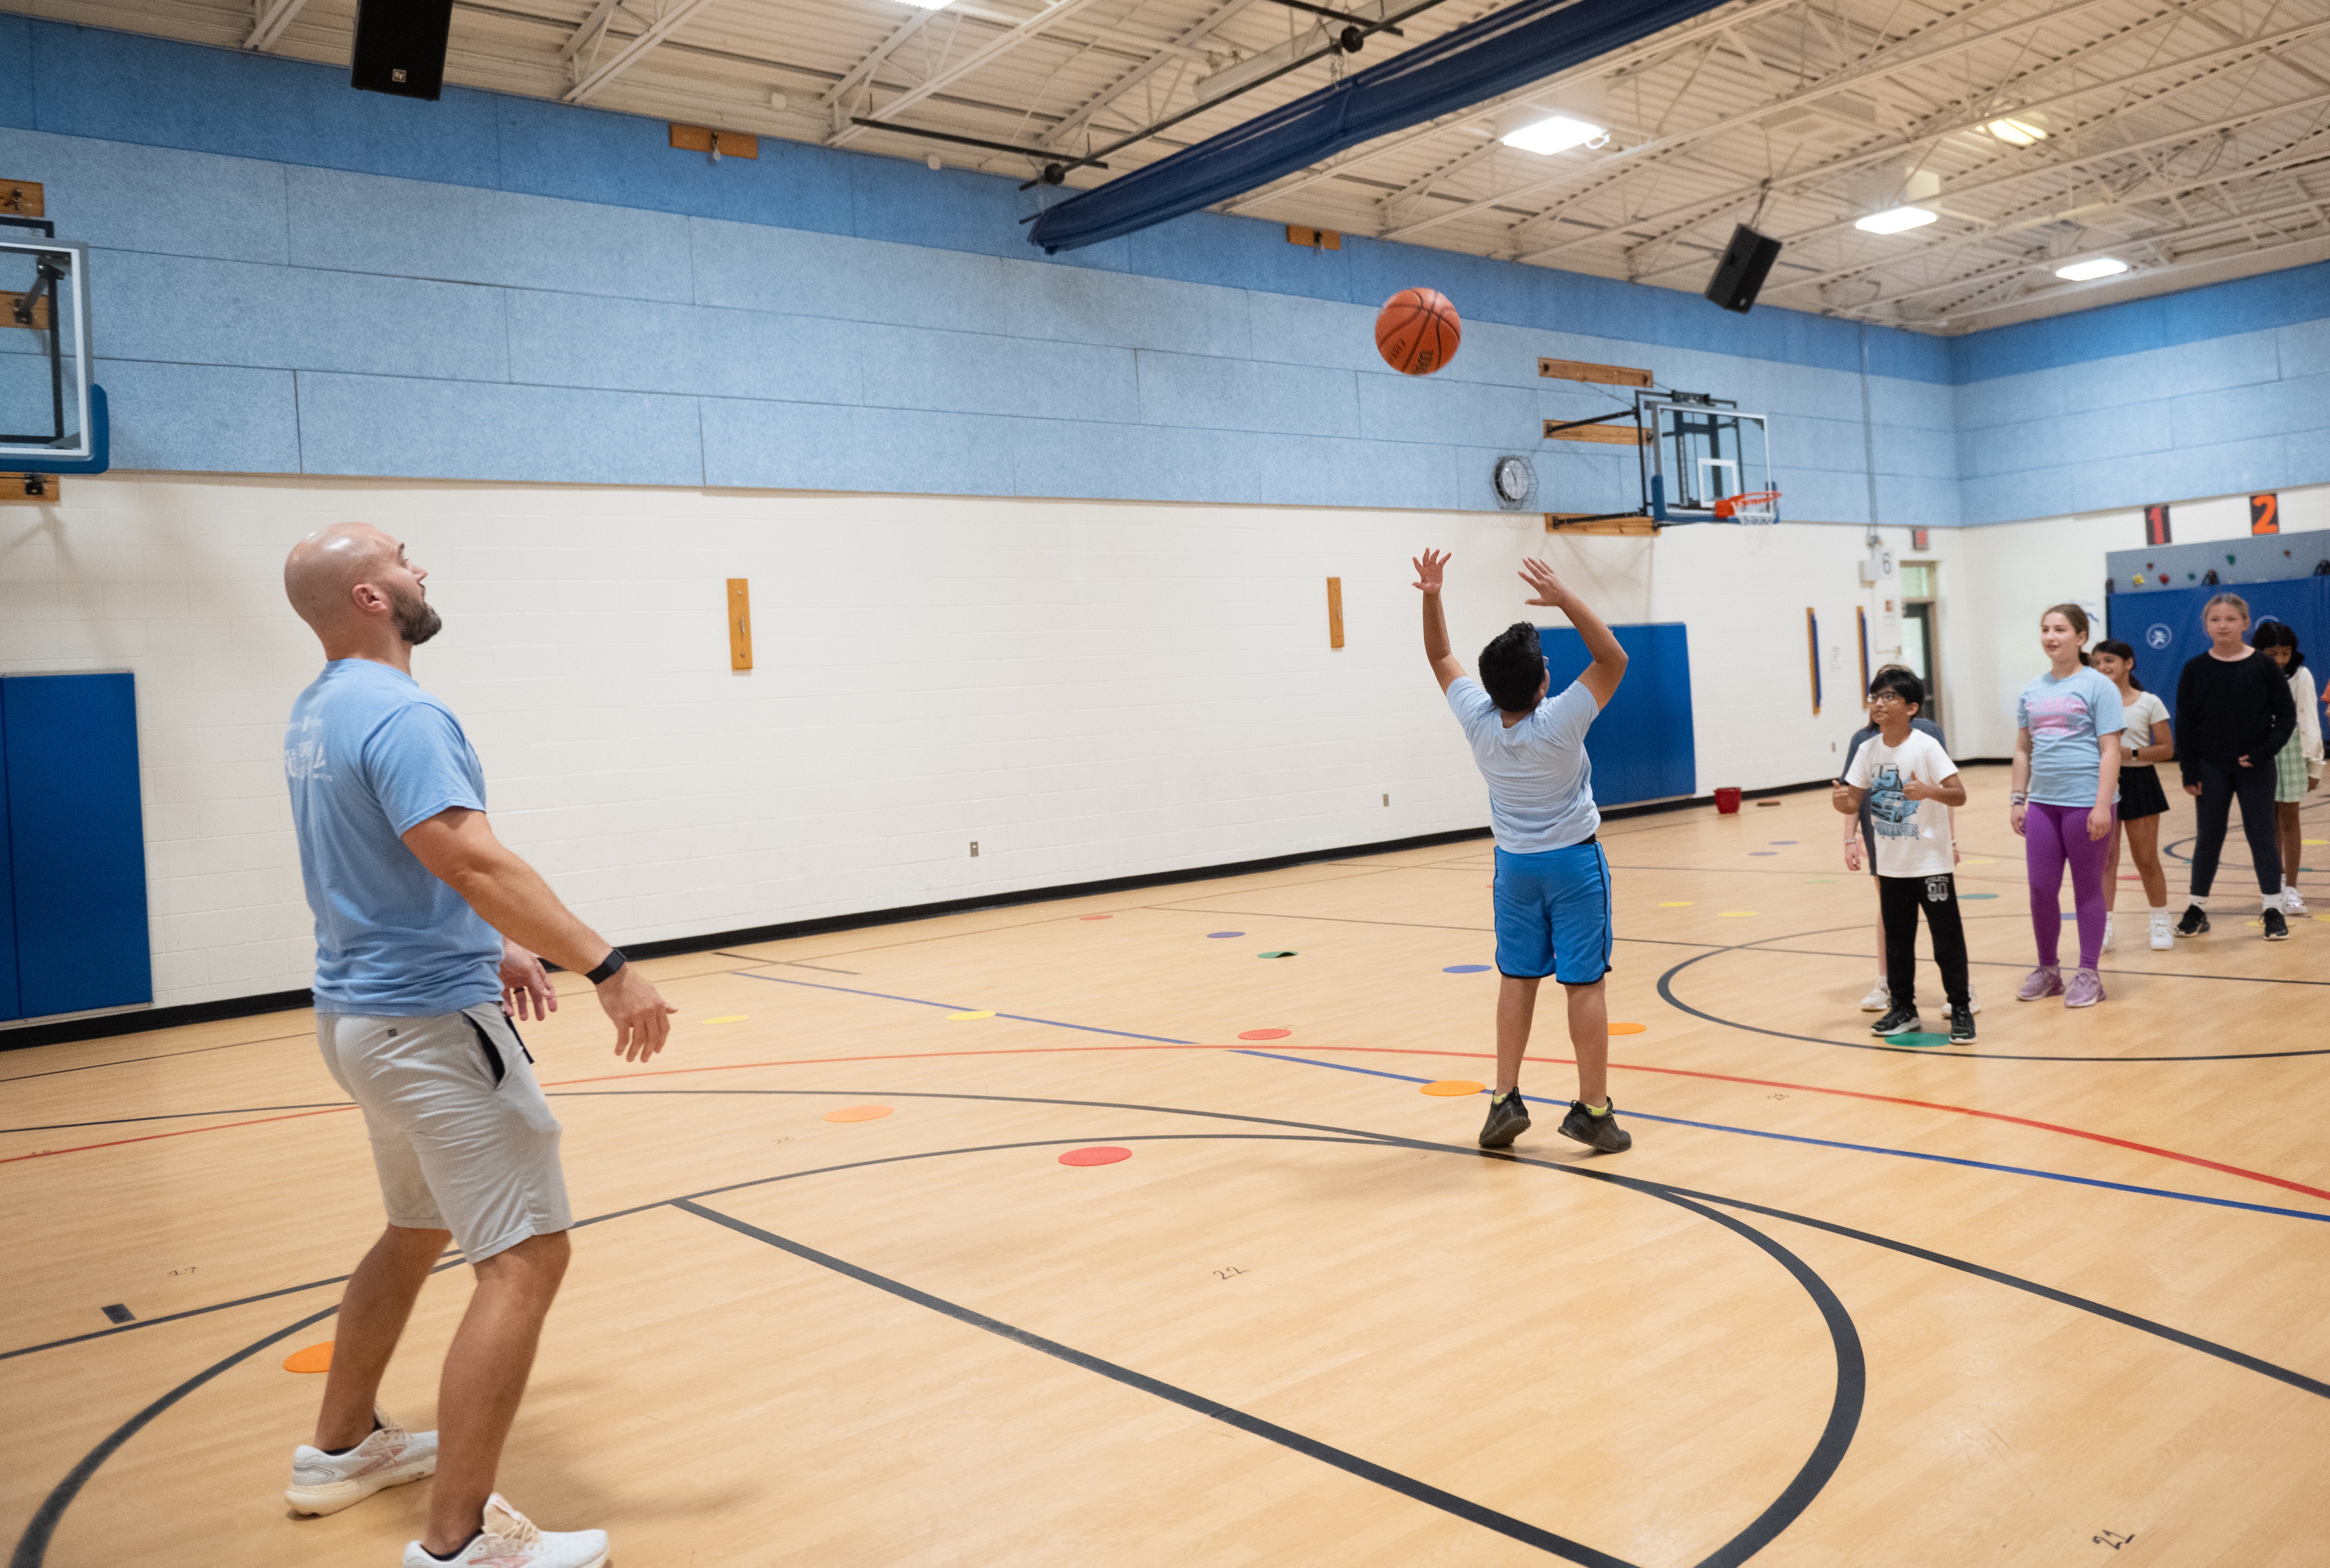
(416, 622)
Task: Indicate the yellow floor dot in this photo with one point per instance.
(729, 1018)
(959, 1017)
(2314, 842)
(1679, 904)
(1737, 914)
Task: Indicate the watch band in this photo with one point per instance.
(607, 966)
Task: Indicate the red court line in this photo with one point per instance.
(2193, 1159)
(182, 1132)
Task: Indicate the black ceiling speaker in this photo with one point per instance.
(401, 47)
(1746, 262)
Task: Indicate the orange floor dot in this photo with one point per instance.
(859, 1113)
(1450, 1088)
(315, 1358)
(1629, 1028)
(1265, 1034)
(1100, 1154)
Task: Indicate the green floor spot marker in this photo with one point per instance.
(1965, 896)
(1816, 881)
(1278, 953)
(1917, 1040)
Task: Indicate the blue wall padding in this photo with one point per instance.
(9, 1004)
(76, 842)
(1508, 49)
(1641, 745)
(2165, 627)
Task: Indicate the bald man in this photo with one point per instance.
(426, 935)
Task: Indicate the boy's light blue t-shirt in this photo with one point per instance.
(1540, 781)
(369, 754)
(2067, 718)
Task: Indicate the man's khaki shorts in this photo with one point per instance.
(461, 1136)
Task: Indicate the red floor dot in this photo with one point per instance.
(1099, 1154)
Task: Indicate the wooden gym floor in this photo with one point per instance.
(2054, 1298)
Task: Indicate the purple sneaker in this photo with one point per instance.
(2086, 990)
(2046, 980)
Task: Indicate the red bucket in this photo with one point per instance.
(1727, 801)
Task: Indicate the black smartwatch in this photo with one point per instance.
(613, 962)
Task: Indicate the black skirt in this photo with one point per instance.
(2140, 793)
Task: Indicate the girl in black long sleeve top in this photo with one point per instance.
(2233, 713)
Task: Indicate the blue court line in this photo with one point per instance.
(919, 1002)
(1855, 1148)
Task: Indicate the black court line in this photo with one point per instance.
(176, 1116)
(1406, 925)
(163, 1057)
(1473, 1513)
(1827, 1455)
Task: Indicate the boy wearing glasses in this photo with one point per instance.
(1911, 784)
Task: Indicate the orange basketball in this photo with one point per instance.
(1418, 331)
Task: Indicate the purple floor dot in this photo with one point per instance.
(1225, 933)
(1463, 968)
(1754, 852)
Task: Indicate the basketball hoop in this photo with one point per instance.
(1755, 507)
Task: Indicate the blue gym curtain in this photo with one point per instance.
(1502, 51)
(2164, 629)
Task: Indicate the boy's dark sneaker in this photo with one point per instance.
(1600, 1133)
(2195, 922)
(1961, 1026)
(1898, 1020)
(1508, 1119)
(2276, 926)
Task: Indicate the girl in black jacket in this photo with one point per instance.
(2233, 715)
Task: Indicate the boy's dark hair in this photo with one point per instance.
(1901, 684)
(1512, 668)
(2278, 634)
(2122, 651)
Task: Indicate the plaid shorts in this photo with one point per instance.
(2289, 772)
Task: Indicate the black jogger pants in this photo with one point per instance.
(1898, 900)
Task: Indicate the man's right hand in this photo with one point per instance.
(642, 1019)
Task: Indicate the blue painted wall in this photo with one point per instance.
(499, 287)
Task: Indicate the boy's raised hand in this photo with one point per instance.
(1427, 569)
(1550, 591)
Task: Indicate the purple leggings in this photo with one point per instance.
(2053, 835)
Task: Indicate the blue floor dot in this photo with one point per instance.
(1463, 968)
(1763, 852)
(1225, 933)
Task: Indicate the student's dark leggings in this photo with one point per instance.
(1898, 900)
(2221, 783)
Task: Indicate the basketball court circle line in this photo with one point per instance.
(1855, 1148)
(1828, 1453)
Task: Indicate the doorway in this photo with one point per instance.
(1921, 645)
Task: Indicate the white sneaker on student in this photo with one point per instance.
(325, 1483)
(2291, 905)
(1880, 998)
(511, 1540)
(2111, 937)
(1973, 1005)
(2163, 932)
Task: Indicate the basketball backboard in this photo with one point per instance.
(1701, 455)
(52, 417)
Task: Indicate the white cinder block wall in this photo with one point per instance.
(1087, 689)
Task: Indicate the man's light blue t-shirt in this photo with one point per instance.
(367, 756)
(2067, 718)
(1540, 783)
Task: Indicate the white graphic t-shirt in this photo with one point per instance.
(1913, 837)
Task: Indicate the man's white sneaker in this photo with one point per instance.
(2291, 905)
(511, 1540)
(1880, 998)
(325, 1483)
(2163, 933)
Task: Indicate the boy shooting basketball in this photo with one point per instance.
(1553, 881)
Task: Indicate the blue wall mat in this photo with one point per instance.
(1641, 745)
(2165, 627)
(9, 1007)
(77, 842)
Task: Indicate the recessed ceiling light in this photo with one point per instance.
(1895, 219)
(1556, 135)
(928, 5)
(2089, 271)
(2017, 133)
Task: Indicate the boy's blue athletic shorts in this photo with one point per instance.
(1553, 914)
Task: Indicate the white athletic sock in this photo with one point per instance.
(2200, 902)
(2269, 900)
(2160, 909)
